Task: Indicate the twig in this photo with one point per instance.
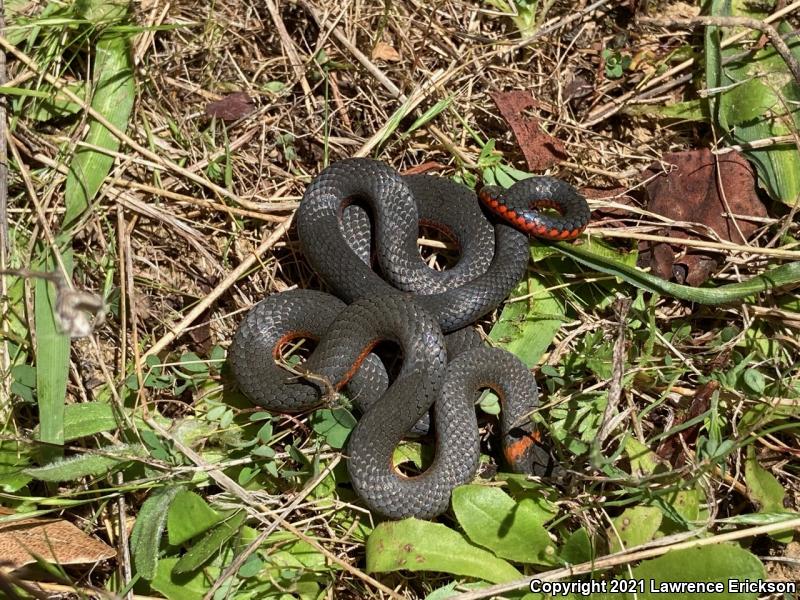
(124, 550)
(557, 23)
(5, 359)
(388, 84)
(718, 21)
(221, 288)
(257, 509)
(281, 515)
(626, 557)
(115, 131)
(291, 53)
(721, 246)
(611, 108)
(621, 307)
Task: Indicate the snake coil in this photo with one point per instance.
(349, 208)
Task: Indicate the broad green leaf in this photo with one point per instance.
(102, 11)
(526, 328)
(762, 487)
(189, 515)
(90, 464)
(719, 563)
(192, 363)
(210, 544)
(408, 452)
(113, 98)
(643, 460)
(416, 545)
(180, 586)
(765, 490)
(754, 96)
(686, 503)
(578, 548)
(88, 418)
(334, 424)
(511, 530)
(147, 531)
(444, 592)
(634, 527)
(52, 357)
(754, 380)
(13, 461)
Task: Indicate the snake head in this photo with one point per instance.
(524, 452)
(490, 193)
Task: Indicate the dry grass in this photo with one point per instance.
(180, 258)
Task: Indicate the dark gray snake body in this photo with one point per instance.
(412, 306)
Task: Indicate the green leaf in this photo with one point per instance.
(578, 548)
(634, 527)
(762, 487)
(113, 98)
(334, 425)
(511, 530)
(13, 460)
(754, 96)
(706, 564)
(527, 328)
(745, 101)
(274, 87)
(25, 375)
(430, 114)
(754, 380)
(643, 460)
(52, 357)
(765, 491)
(409, 452)
(686, 503)
(102, 11)
(147, 531)
(210, 544)
(56, 105)
(88, 418)
(189, 515)
(416, 545)
(179, 586)
(91, 464)
(24, 381)
(192, 363)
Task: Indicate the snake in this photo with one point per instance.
(358, 224)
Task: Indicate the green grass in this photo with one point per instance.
(677, 415)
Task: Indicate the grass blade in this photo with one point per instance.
(52, 358)
(113, 98)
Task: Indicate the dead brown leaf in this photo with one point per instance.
(705, 189)
(53, 540)
(425, 167)
(540, 149)
(383, 51)
(232, 107)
